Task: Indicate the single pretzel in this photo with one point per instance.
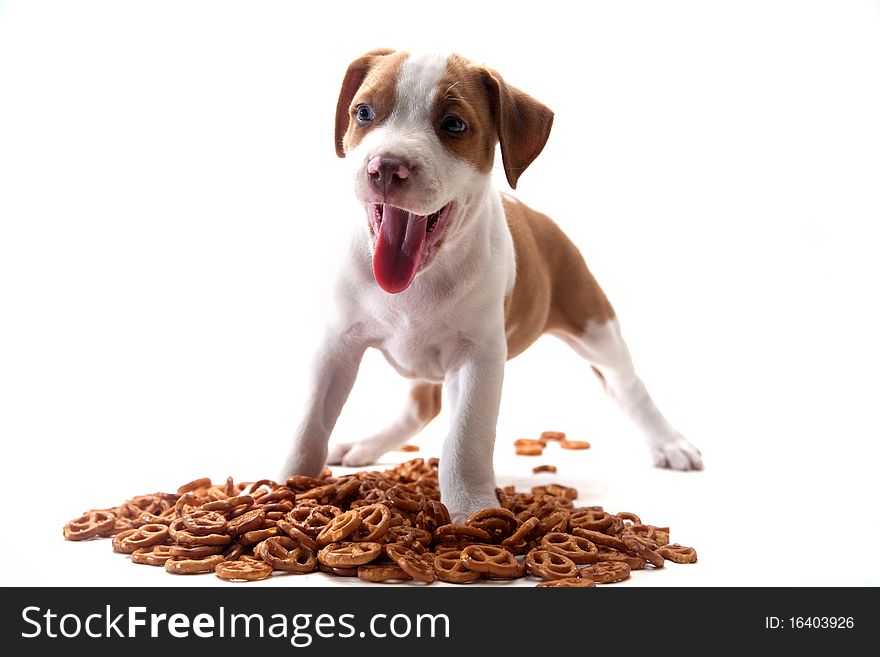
(131, 539)
(342, 526)
(490, 559)
(181, 566)
(402, 498)
(375, 521)
(201, 522)
(155, 555)
(547, 436)
(410, 562)
(258, 535)
(590, 519)
(678, 553)
(196, 484)
(461, 533)
(449, 568)
(348, 555)
(284, 553)
(522, 532)
(599, 538)
(312, 519)
(382, 572)
(229, 503)
(609, 554)
(89, 525)
(240, 571)
(568, 582)
(635, 546)
(606, 572)
(574, 444)
(301, 537)
(498, 522)
(550, 565)
(580, 550)
(247, 521)
(434, 515)
(188, 539)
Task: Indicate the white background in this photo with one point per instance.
(171, 207)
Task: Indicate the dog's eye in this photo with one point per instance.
(453, 125)
(364, 113)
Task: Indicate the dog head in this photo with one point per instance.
(421, 134)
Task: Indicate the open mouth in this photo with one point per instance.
(403, 240)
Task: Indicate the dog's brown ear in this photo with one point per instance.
(352, 81)
(523, 125)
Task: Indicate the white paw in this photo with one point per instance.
(353, 455)
(676, 453)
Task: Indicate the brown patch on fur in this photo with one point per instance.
(462, 92)
(427, 397)
(554, 290)
(371, 80)
(522, 123)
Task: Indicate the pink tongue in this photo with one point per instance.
(399, 248)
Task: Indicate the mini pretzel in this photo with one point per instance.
(89, 525)
(678, 553)
(547, 436)
(180, 566)
(568, 582)
(317, 518)
(131, 539)
(461, 532)
(434, 515)
(286, 554)
(543, 468)
(247, 521)
(410, 562)
(403, 498)
(189, 539)
(580, 550)
(155, 555)
(348, 555)
(550, 565)
(195, 551)
(574, 444)
(375, 521)
(555, 522)
(239, 571)
(342, 526)
(599, 538)
(230, 503)
(529, 450)
(635, 546)
(490, 559)
(608, 554)
(632, 517)
(522, 532)
(257, 535)
(382, 572)
(201, 522)
(606, 572)
(300, 537)
(194, 485)
(592, 520)
(449, 568)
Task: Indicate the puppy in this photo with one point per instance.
(449, 278)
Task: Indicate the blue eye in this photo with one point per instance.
(364, 113)
(453, 125)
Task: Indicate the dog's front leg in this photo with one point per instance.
(333, 375)
(467, 475)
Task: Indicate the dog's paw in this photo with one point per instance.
(353, 455)
(676, 453)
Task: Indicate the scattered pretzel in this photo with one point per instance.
(543, 468)
(351, 526)
(574, 444)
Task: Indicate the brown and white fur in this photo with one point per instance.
(493, 276)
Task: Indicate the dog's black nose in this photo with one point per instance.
(387, 172)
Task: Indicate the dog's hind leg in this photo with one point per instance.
(602, 345)
(422, 406)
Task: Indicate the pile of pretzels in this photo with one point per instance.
(381, 527)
